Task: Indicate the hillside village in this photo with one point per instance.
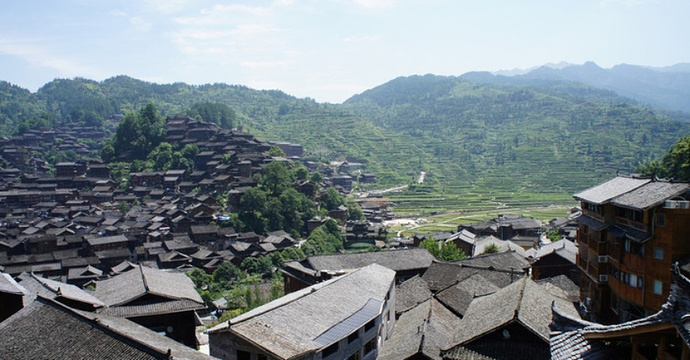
(92, 269)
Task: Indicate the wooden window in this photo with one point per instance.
(658, 253)
(660, 220)
(658, 287)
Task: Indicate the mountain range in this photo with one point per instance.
(544, 134)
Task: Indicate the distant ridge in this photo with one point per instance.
(667, 88)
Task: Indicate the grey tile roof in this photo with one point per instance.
(411, 293)
(426, 329)
(47, 330)
(128, 286)
(650, 195)
(509, 260)
(289, 326)
(154, 308)
(40, 286)
(524, 302)
(459, 297)
(398, 260)
(603, 193)
(9, 286)
(562, 282)
(500, 269)
(593, 223)
(563, 248)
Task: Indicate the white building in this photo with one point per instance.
(348, 317)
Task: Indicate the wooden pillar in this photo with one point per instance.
(661, 348)
(685, 352)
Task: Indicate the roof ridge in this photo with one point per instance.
(143, 279)
(520, 297)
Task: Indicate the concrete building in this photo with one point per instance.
(347, 317)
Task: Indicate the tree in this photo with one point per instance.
(354, 210)
(317, 177)
(276, 152)
(257, 265)
(161, 157)
(332, 199)
(677, 159)
(442, 250)
(325, 239)
(138, 134)
(276, 177)
(220, 114)
(491, 249)
(226, 273)
(674, 165)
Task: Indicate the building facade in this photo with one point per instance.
(630, 233)
(348, 317)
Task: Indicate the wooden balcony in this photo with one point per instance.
(624, 291)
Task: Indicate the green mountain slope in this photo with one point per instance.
(478, 142)
(556, 138)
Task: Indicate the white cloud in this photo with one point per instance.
(375, 4)
(362, 39)
(168, 6)
(34, 53)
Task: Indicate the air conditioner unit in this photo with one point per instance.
(603, 259)
(603, 278)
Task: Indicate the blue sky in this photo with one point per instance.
(327, 50)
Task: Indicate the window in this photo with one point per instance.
(352, 337)
(660, 220)
(658, 253)
(355, 356)
(658, 287)
(370, 346)
(370, 325)
(330, 350)
(243, 355)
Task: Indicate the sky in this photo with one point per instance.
(327, 50)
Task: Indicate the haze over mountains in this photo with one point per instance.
(547, 132)
(663, 87)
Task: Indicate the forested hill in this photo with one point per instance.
(665, 88)
(555, 137)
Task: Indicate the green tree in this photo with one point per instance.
(316, 177)
(138, 134)
(491, 249)
(354, 210)
(227, 272)
(276, 152)
(331, 199)
(325, 239)
(276, 177)
(220, 114)
(257, 265)
(442, 250)
(161, 157)
(677, 160)
(201, 279)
